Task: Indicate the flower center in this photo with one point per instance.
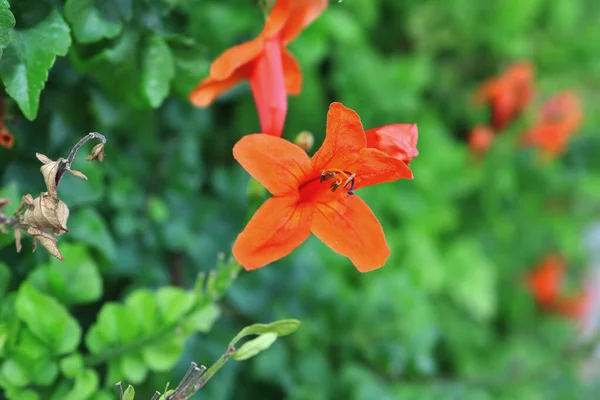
(340, 178)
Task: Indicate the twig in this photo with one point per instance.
(67, 164)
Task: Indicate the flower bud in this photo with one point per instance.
(305, 140)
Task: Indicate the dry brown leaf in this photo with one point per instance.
(97, 153)
(3, 202)
(46, 240)
(18, 239)
(49, 171)
(47, 212)
(78, 174)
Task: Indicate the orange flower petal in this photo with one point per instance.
(302, 14)
(209, 89)
(377, 167)
(349, 227)
(292, 72)
(281, 12)
(234, 58)
(278, 164)
(275, 230)
(267, 81)
(396, 140)
(344, 139)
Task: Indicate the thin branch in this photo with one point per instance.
(67, 164)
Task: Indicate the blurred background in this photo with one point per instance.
(452, 315)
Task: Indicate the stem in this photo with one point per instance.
(67, 164)
(211, 371)
(13, 222)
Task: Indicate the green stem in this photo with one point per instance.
(210, 372)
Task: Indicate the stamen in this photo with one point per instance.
(334, 172)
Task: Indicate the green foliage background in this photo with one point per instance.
(446, 318)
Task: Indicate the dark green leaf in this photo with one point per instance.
(7, 21)
(29, 56)
(157, 70)
(89, 25)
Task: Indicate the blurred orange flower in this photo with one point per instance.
(559, 118)
(575, 306)
(272, 70)
(545, 282)
(316, 195)
(6, 138)
(395, 140)
(507, 94)
(481, 139)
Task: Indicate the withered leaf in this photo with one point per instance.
(18, 239)
(46, 240)
(97, 153)
(47, 212)
(3, 202)
(49, 171)
(78, 174)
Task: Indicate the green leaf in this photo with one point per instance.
(129, 393)
(80, 268)
(13, 372)
(142, 305)
(7, 21)
(254, 346)
(117, 325)
(5, 276)
(163, 355)
(133, 368)
(89, 227)
(157, 209)
(173, 303)
(89, 25)
(71, 364)
(29, 56)
(282, 327)
(158, 70)
(102, 395)
(47, 319)
(76, 280)
(191, 66)
(201, 320)
(86, 383)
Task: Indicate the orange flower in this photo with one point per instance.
(558, 120)
(6, 139)
(272, 70)
(545, 280)
(575, 306)
(480, 139)
(508, 94)
(316, 195)
(396, 140)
